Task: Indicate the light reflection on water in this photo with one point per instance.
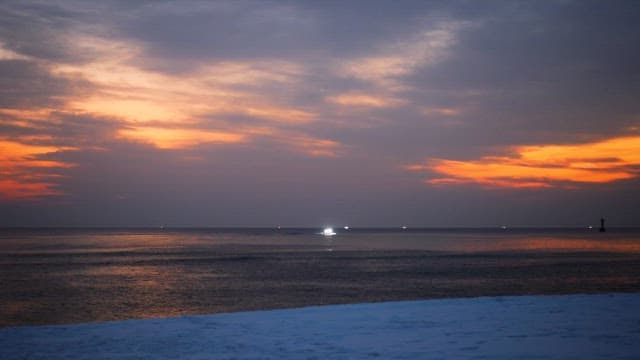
(72, 275)
(490, 241)
(469, 240)
(557, 244)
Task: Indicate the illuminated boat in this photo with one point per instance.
(328, 231)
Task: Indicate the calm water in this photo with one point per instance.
(78, 275)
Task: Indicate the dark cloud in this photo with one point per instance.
(179, 35)
(544, 70)
(33, 29)
(26, 84)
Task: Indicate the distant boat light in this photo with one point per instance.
(328, 232)
(346, 228)
(404, 228)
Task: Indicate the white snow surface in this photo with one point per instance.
(519, 327)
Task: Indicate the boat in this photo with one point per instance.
(328, 231)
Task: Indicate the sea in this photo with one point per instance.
(72, 275)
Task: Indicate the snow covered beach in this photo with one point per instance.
(575, 326)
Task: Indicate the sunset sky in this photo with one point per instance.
(312, 113)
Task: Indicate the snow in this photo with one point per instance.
(524, 327)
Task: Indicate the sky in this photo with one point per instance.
(314, 113)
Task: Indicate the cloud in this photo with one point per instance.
(26, 170)
(136, 95)
(364, 100)
(39, 149)
(541, 166)
(166, 138)
(304, 92)
(537, 72)
(441, 111)
(188, 33)
(167, 111)
(7, 54)
(27, 84)
(315, 147)
(400, 58)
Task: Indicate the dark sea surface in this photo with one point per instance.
(52, 276)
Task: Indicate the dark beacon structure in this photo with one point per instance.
(602, 229)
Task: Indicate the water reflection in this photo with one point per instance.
(59, 276)
(72, 241)
(556, 244)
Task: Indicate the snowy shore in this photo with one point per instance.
(562, 327)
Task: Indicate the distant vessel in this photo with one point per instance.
(328, 231)
(602, 228)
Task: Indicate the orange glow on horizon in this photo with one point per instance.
(14, 154)
(23, 173)
(17, 190)
(544, 166)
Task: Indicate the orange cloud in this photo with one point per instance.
(542, 166)
(18, 190)
(309, 145)
(129, 110)
(274, 113)
(442, 111)
(146, 100)
(364, 100)
(165, 138)
(168, 111)
(23, 172)
(317, 147)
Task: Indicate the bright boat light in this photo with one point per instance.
(346, 228)
(328, 232)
